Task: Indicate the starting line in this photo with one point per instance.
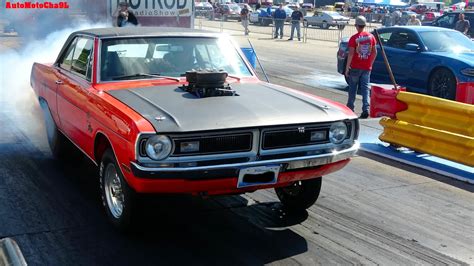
(368, 137)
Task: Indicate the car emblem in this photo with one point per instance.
(301, 130)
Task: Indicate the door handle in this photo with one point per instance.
(59, 82)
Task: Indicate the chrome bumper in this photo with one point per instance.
(231, 170)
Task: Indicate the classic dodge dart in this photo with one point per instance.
(167, 110)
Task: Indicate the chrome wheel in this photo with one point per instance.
(113, 191)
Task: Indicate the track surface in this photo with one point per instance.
(371, 212)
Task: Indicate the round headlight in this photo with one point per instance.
(337, 132)
(158, 147)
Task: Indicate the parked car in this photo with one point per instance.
(339, 6)
(308, 6)
(448, 20)
(326, 19)
(431, 16)
(428, 60)
(261, 17)
(241, 5)
(418, 8)
(139, 104)
(227, 12)
(203, 9)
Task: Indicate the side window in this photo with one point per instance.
(446, 21)
(384, 37)
(81, 56)
(66, 61)
(401, 38)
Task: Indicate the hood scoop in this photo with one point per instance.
(203, 84)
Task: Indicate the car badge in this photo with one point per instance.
(301, 130)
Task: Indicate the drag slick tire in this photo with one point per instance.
(300, 195)
(118, 198)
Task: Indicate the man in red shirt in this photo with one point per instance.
(362, 53)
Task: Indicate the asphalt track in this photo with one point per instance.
(372, 212)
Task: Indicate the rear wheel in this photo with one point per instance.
(442, 84)
(118, 198)
(341, 27)
(58, 143)
(300, 195)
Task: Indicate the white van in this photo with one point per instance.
(434, 5)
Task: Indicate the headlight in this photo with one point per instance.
(158, 147)
(337, 132)
(468, 71)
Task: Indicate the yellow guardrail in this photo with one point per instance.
(432, 125)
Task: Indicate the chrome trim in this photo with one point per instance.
(293, 163)
(206, 157)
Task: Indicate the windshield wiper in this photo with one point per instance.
(137, 75)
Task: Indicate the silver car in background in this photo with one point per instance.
(326, 19)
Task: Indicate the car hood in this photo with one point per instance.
(467, 58)
(171, 109)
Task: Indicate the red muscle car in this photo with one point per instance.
(164, 110)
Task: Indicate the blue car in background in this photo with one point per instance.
(429, 60)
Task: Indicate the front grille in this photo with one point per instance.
(217, 144)
(293, 137)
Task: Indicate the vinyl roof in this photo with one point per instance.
(144, 31)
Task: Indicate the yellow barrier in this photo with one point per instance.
(437, 113)
(435, 126)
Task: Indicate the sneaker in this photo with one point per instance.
(281, 37)
(299, 39)
(275, 37)
(364, 115)
(290, 39)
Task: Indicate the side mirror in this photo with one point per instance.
(412, 47)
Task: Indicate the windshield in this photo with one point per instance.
(168, 57)
(447, 41)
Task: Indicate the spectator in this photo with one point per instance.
(296, 19)
(244, 18)
(279, 17)
(362, 53)
(413, 21)
(124, 16)
(462, 25)
(396, 17)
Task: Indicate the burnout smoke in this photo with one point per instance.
(17, 99)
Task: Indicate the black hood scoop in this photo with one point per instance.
(203, 84)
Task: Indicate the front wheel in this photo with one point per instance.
(300, 195)
(341, 27)
(118, 198)
(442, 84)
(305, 23)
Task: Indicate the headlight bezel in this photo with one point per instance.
(333, 130)
(150, 150)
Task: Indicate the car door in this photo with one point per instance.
(405, 63)
(446, 21)
(74, 71)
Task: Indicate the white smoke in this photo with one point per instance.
(15, 66)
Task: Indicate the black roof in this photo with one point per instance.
(143, 31)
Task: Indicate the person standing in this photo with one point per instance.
(462, 25)
(124, 16)
(413, 21)
(279, 17)
(296, 19)
(362, 53)
(244, 18)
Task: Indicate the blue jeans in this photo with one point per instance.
(359, 78)
(295, 24)
(279, 23)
